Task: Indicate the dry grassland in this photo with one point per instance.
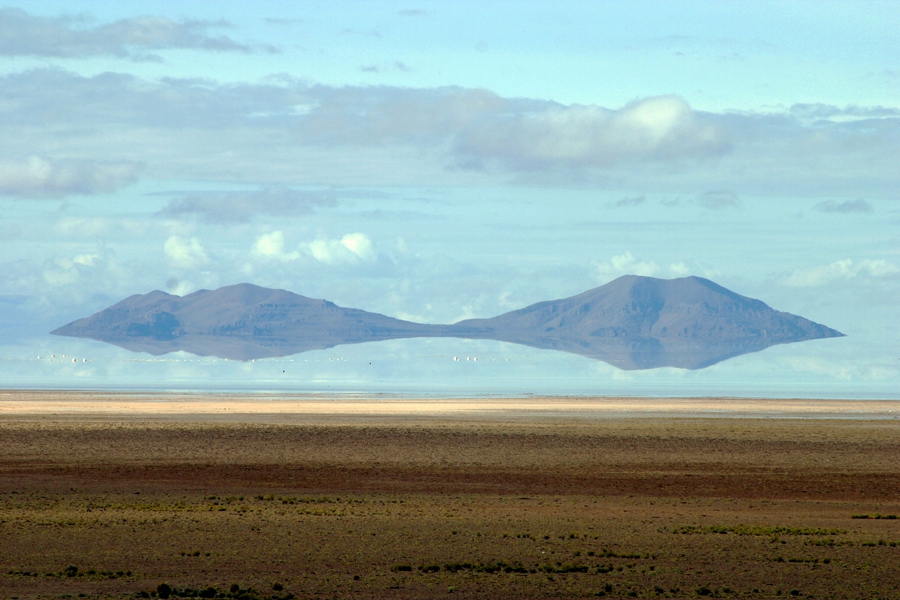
(105, 506)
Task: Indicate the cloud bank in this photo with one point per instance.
(38, 177)
(243, 206)
(660, 128)
(842, 270)
(24, 34)
(282, 132)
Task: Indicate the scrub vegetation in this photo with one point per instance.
(620, 509)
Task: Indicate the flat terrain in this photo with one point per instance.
(104, 495)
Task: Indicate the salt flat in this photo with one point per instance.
(302, 408)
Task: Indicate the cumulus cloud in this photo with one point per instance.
(625, 264)
(93, 269)
(841, 269)
(658, 129)
(38, 177)
(270, 246)
(185, 253)
(242, 206)
(24, 34)
(848, 206)
(350, 248)
(679, 270)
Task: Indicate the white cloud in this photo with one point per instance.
(38, 177)
(351, 247)
(359, 245)
(24, 34)
(270, 246)
(61, 275)
(657, 128)
(185, 253)
(180, 287)
(86, 260)
(679, 270)
(91, 270)
(841, 269)
(877, 268)
(625, 264)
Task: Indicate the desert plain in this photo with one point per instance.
(126, 495)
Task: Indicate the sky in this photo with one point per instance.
(436, 161)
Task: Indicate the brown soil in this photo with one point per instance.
(481, 508)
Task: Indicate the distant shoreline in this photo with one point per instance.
(306, 407)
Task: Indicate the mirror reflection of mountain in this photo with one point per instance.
(631, 323)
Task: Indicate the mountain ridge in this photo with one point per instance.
(633, 322)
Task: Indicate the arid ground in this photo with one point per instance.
(112, 496)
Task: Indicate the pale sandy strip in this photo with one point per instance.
(71, 403)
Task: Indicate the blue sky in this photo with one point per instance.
(437, 161)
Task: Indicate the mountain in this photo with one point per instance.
(642, 322)
(240, 322)
(632, 323)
